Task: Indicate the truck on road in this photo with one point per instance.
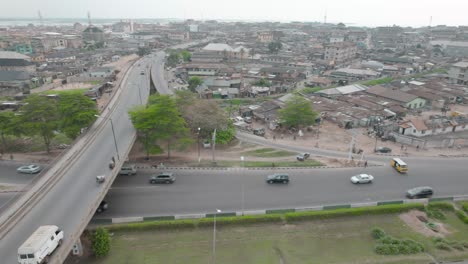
(40, 245)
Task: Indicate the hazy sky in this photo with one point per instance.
(359, 12)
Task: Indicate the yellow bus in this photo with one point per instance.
(399, 165)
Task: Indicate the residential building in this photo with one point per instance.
(265, 37)
(435, 126)
(340, 53)
(13, 61)
(407, 100)
(458, 73)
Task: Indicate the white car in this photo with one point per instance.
(362, 178)
(32, 168)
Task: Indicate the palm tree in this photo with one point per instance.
(242, 52)
(251, 53)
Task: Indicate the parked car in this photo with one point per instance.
(303, 156)
(362, 178)
(102, 207)
(383, 150)
(128, 169)
(278, 178)
(30, 169)
(419, 192)
(164, 177)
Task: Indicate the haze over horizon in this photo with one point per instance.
(351, 12)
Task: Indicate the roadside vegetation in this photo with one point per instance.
(268, 153)
(363, 235)
(53, 120)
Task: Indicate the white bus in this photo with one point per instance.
(40, 245)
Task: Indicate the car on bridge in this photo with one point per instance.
(278, 178)
(420, 192)
(362, 178)
(29, 169)
(164, 177)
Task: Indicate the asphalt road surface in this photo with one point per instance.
(74, 194)
(201, 191)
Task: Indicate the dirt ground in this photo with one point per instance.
(410, 218)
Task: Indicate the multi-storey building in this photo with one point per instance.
(458, 73)
(340, 53)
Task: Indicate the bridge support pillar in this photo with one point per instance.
(77, 249)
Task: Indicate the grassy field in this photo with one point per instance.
(341, 240)
(251, 164)
(268, 153)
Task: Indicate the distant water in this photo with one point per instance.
(71, 21)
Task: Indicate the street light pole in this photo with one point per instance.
(214, 235)
(198, 145)
(242, 187)
(113, 134)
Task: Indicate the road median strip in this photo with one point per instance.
(273, 215)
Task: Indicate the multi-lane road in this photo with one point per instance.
(75, 193)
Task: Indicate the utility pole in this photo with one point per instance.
(213, 143)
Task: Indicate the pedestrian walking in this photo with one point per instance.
(294, 137)
(402, 147)
(417, 147)
(365, 164)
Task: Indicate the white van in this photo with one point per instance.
(40, 245)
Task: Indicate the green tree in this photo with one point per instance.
(252, 53)
(242, 53)
(225, 136)
(194, 82)
(142, 51)
(7, 124)
(262, 82)
(77, 111)
(144, 122)
(297, 112)
(161, 122)
(173, 59)
(100, 242)
(275, 47)
(186, 55)
(40, 116)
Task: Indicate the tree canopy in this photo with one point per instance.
(173, 59)
(186, 55)
(77, 111)
(262, 82)
(194, 82)
(275, 47)
(297, 112)
(7, 124)
(160, 122)
(40, 116)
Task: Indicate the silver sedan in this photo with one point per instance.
(362, 178)
(30, 169)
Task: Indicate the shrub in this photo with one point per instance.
(465, 244)
(100, 242)
(413, 246)
(383, 209)
(439, 240)
(465, 206)
(377, 233)
(435, 213)
(384, 249)
(462, 216)
(240, 220)
(458, 246)
(441, 205)
(154, 225)
(404, 249)
(443, 246)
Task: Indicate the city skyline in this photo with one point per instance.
(358, 12)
